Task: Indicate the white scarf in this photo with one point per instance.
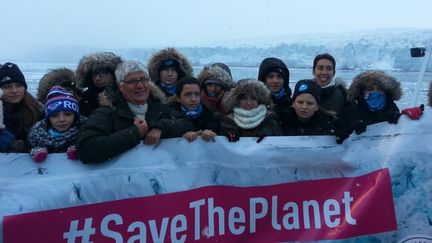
(331, 83)
(139, 110)
(248, 119)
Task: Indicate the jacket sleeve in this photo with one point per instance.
(98, 141)
(172, 123)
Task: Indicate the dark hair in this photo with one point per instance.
(324, 56)
(183, 81)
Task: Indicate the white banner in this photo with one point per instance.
(176, 165)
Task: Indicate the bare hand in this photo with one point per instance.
(142, 126)
(191, 136)
(153, 136)
(208, 135)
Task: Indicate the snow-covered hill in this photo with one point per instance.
(386, 49)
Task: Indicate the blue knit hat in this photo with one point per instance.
(59, 99)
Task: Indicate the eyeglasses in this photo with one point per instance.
(143, 80)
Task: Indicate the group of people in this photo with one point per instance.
(109, 105)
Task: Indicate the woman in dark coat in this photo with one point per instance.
(304, 117)
(249, 115)
(275, 75)
(373, 96)
(94, 73)
(132, 112)
(20, 109)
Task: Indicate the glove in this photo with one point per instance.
(414, 113)
(341, 137)
(6, 138)
(261, 138)
(360, 128)
(71, 153)
(39, 154)
(232, 137)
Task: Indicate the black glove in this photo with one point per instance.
(260, 138)
(393, 118)
(341, 137)
(360, 127)
(232, 136)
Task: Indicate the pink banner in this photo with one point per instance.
(324, 209)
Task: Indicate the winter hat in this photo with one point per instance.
(155, 62)
(249, 87)
(10, 73)
(59, 99)
(215, 74)
(169, 63)
(223, 66)
(308, 86)
(273, 64)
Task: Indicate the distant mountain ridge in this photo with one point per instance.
(386, 49)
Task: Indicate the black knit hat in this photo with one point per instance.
(308, 86)
(10, 73)
(272, 64)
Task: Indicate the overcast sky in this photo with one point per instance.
(159, 23)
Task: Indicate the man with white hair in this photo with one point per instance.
(131, 113)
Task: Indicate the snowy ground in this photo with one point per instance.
(147, 170)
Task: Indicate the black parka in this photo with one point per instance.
(110, 131)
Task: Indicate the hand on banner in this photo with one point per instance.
(232, 136)
(71, 153)
(39, 154)
(414, 113)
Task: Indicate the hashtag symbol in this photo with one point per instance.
(85, 233)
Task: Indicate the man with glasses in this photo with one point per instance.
(94, 73)
(131, 113)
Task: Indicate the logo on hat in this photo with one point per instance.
(303, 87)
(54, 106)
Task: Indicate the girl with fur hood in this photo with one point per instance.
(215, 84)
(94, 73)
(130, 113)
(58, 131)
(249, 116)
(372, 94)
(334, 92)
(63, 77)
(20, 109)
(305, 117)
(166, 67)
(275, 75)
(188, 101)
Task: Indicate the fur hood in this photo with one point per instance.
(430, 94)
(216, 73)
(112, 95)
(94, 62)
(390, 85)
(59, 76)
(252, 87)
(169, 53)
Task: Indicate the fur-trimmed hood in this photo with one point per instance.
(112, 95)
(216, 73)
(94, 62)
(252, 87)
(390, 85)
(58, 76)
(156, 60)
